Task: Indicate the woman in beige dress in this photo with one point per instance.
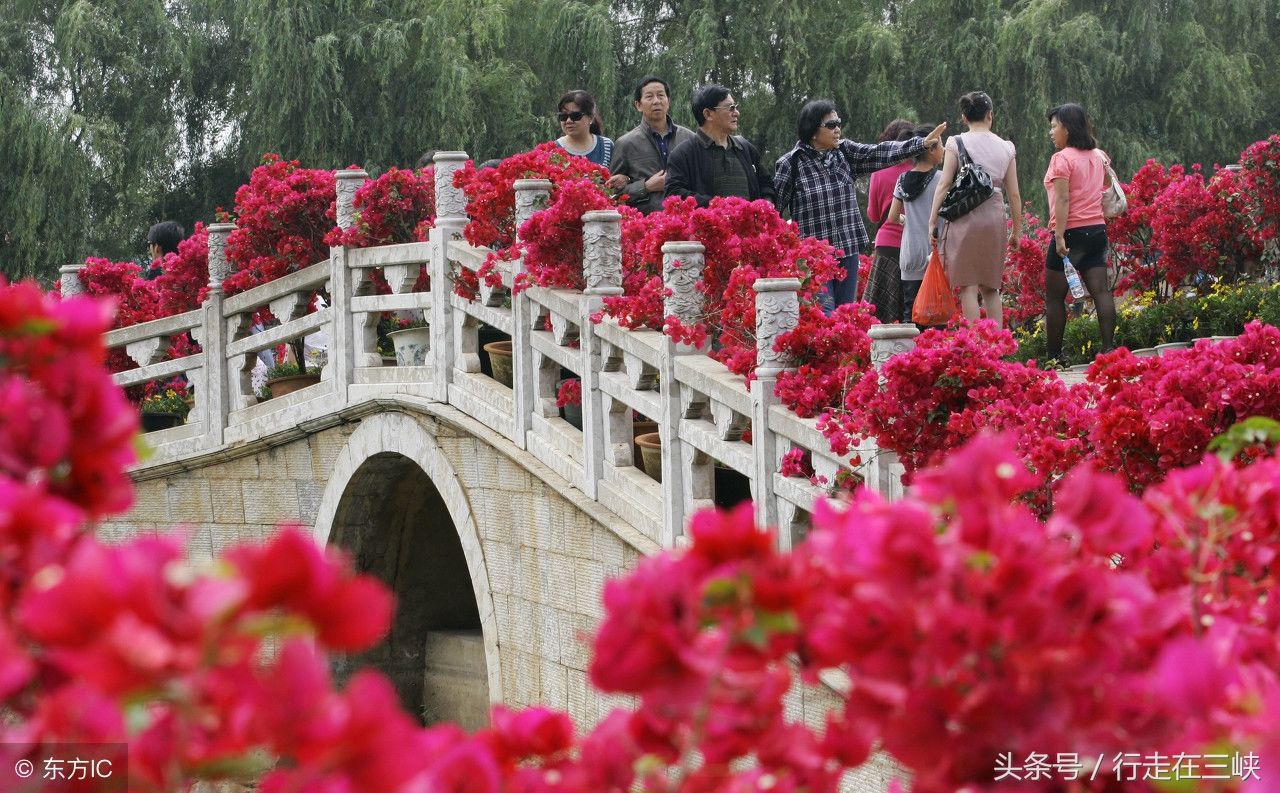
(973, 246)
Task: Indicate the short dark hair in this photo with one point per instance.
(708, 97)
(427, 160)
(898, 129)
(811, 116)
(586, 103)
(1079, 130)
(921, 131)
(975, 105)
(651, 78)
(167, 234)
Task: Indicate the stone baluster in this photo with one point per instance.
(71, 285)
(213, 394)
(883, 470)
(687, 474)
(532, 196)
(353, 341)
(602, 273)
(889, 340)
(777, 312)
(451, 217)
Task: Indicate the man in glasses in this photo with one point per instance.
(716, 162)
(815, 184)
(640, 156)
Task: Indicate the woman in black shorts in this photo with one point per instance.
(1076, 177)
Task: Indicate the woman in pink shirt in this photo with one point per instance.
(884, 287)
(1075, 180)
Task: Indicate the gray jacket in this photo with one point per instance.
(637, 156)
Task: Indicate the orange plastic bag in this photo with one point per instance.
(935, 303)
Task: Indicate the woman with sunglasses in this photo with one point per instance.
(814, 182)
(576, 113)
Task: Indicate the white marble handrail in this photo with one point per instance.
(702, 410)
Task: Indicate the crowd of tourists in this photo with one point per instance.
(915, 181)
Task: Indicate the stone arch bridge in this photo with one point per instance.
(495, 519)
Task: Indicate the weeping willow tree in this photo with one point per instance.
(773, 55)
(1174, 79)
(118, 113)
(46, 196)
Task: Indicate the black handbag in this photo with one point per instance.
(971, 187)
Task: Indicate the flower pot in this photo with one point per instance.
(639, 428)
(160, 421)
(280, 386)
(571, 413)
(1144, 352)
(500, 361)
(650, 445)
(412, 345)
(484, 335)
(1161, 349)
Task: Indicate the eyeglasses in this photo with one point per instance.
(573, 115)
(833, 124)
(730, 108)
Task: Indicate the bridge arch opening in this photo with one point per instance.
(396, 525)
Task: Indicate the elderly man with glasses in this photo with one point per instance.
(815, 184)
(716, 162)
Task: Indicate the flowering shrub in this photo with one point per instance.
(491, 195)
(136, 299)
(1157, 414)
(282, 216)
(1023, 288)
(183, 282)
(743, 241)
(1258, 188)
(1195, 230)
(832, 352)
(169, 398)
(398, 206)
(569, 392)
(553, 237)
(953, 384)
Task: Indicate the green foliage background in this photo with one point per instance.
(117, 113)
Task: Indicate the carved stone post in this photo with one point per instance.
(352, 338)
(532, 196)
(348, 181)
(889, 340)
(213, 395)
(687, 478)
(451, 217)
(71, 285)
(602, 272)
(883, 470)
(777, 312)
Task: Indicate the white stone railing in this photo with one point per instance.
(701, 409)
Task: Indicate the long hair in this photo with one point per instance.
(975, 105)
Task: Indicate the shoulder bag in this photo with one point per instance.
(972, 186)
(1114, 202)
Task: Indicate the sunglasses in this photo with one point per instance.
(730, 108)
(575, 115)
(834, 124)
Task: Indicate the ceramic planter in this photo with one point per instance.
(650, 445)
(500, 361)
(412, 345)
(280, 386)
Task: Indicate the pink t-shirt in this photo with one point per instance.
(1085, 175)
(880, 197)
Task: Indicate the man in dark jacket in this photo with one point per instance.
(717, 162)
(640, 157)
